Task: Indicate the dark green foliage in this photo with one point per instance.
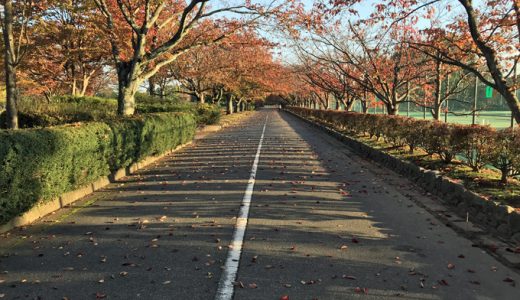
(68, 109)
(41, 164)
(208, 113)
(63, 110)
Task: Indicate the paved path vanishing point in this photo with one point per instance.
(322, 224)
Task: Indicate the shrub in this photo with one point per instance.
(63, 110)
(41, 164)
(205, 113)
(414, 132)
(69, 109)
(505, 155)
(208, 113)
(437, 139)
(475, 143)
(478, 145)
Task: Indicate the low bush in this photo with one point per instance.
(474, 143)
(62, 110)
(208, 113)
(41, 164)
(505, 153)
(436, 138)
(477, 145)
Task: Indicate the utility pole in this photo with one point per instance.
(424, 109)
(407, 98)
(447, 99)
(515, 81)
(474, 113)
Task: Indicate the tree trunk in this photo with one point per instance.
(128, 84)
(151, 86)
(10, 68)
(74, 90)
(504, 175)
(436, 113)
(201, 97)
(230, 105)
(391, 109)
(491, 56)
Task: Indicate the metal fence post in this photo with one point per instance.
(474, 116)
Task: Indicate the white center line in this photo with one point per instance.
(225, 286)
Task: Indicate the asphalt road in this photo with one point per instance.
(322, 224)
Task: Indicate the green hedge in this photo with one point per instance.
(41, 164)
(479, 145)
(68, 109)
(206, 113)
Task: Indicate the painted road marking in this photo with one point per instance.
(225, 286)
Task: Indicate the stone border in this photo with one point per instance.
(500, 219)
(42, 209)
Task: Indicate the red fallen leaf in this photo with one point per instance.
(252, 285)
(284, 297)
(475, 282)
(443, 282)
(128, 264)
(515, 250)
(451, 266)
(349, 277)
(355, 241)
(471, 271)
(509, 279)
(493, 248)
(361, 290)
(461, 256)
(100, 295)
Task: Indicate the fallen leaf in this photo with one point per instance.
(361, 290)
(443, 282)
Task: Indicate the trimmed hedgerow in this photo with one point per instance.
(478, 145)
(34, 113)
(206, 114)
(41, 164)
